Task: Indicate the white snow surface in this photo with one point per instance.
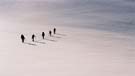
(71, 52)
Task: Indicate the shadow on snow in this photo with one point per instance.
(61, 34)
(55, 36)
(40, 42)
(30, 44)
(50, 40)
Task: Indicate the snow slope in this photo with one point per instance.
(72, 52)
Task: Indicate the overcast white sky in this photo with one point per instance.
(114, 15)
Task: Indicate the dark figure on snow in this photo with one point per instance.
(33, 37)
(54, 30)
(23, 38)
(50, 33)
(43, 35)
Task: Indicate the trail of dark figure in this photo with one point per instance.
(22, 38)
(33, 37)
(50, 33)
(30, 44)
(54, 31)
(43, 35)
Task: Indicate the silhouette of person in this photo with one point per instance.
(33, 37)
(50, 33)
(43, 35)
(54, 30)
(22, 38)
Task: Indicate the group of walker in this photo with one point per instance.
(43, 35)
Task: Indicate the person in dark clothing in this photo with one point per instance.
(50, 33)
(43, 35)
(54, 30)
(22, 38)
(33, 37)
